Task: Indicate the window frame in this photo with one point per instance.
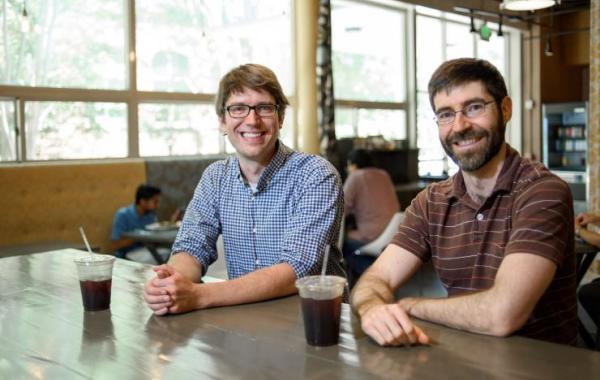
(407, 46)
(131, 97)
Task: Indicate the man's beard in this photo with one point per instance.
(476, 159)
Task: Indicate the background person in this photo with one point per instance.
(277, 209)
(135, 216)
(370, 198)
(499, 232)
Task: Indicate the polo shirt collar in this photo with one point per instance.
(504, 182)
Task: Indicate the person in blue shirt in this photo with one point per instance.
(135, 216)
(277, 209)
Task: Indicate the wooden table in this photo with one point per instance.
(153, 239)
(46, 334)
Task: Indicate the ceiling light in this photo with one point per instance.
(526, 5)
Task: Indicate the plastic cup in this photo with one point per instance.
(95, 280)
(321, 298)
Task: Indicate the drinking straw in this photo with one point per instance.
(85, 240)
(324, 269)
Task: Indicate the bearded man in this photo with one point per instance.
(499, 232)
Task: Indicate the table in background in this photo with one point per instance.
(586, 253)
(153, 239)
(46, 334)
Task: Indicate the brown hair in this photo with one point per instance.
(252, 76)
(461, 71)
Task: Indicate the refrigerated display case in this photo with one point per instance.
(564, 143)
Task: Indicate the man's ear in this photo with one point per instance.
(506, 108)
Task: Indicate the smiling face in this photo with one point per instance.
(253, 137)
(472, 142)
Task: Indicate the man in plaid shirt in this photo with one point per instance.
(277, 209)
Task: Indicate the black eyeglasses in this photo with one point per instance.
(471, 111)
(239, 111)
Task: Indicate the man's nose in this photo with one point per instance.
(252, 116)
(461, 122)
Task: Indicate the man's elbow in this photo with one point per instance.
(506, 322)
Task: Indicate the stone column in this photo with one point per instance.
(307, 15)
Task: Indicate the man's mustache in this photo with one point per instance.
(465, 135)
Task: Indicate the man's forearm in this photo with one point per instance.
(272, 282)
(475, 312)
(370, 290)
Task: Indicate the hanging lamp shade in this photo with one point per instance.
(526, 5)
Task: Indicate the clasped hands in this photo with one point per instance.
(390, 324)
(170, 292)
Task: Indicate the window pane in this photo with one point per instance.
(8, 143)
(494, 51)
(361, 122)
(459, 41)
(188, 46)
(369, 52)
(70, 130)
(178, 129)
(429, 50)
(345, 121)
(77, 44)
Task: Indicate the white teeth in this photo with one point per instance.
(466, 142)
(251, 134)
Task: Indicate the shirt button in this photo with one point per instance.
(480, 217)
(254, 230)
(257, 262)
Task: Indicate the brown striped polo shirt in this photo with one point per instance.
(529, 211)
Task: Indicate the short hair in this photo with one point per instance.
(457, 72)
(255, 77)
(360, 158)
(145, 191)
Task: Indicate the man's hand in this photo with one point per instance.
(390, 325)
(583, 219)
(170, 292)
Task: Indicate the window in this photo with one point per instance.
(369, 69)
(76, 44)
(189, 46)
(67, 71)
(8, 131)
(439, 37)
(72, 130)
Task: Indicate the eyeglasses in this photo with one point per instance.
(471, 111)
(239, 111)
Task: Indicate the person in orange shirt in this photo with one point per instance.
(370, 198)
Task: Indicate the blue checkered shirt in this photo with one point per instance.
(293, 214)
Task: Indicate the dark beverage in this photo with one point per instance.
(322, 320)
(95, 294)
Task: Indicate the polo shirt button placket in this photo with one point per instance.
(477, 233)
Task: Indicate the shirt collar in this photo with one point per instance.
(504, 182)
(281, 154)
